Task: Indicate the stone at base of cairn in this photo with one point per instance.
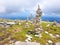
(26, 25)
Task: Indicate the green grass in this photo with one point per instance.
(21, 35)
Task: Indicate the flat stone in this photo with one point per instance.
(49, 41)
(46, 32)
(26, 43)
(52, 35)
(58, 43)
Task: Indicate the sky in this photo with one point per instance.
(27, 7)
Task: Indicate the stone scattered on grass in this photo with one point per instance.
(26, 43)
(46, 32)
(52, 35)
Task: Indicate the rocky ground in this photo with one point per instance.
(18, 32)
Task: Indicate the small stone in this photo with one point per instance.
(46, 32)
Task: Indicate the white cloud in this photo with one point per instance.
(21, 5)
(51, 6)
(30, 5)
(15, 4)
(2, 9)
(2, 6)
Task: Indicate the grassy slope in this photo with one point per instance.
(22, 31)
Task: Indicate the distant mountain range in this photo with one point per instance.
(51, 18)
(21, 17)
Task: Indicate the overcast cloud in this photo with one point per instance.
(13, 6)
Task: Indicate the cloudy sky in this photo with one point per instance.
(26, 7)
